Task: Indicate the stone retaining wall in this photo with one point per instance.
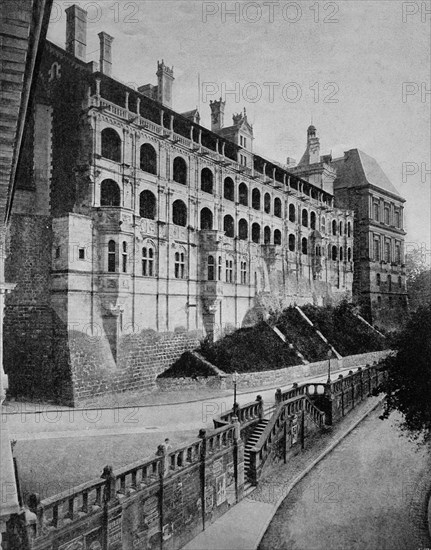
(272, 378)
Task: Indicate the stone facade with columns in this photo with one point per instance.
(156, 230)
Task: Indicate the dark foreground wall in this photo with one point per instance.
(160, 503)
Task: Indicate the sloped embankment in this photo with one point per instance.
(346, 332)
(260, 348)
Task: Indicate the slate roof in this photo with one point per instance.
(357, 169)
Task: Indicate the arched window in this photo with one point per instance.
(229, 189)
(378, 280)
(379, 301)
(349, 229)
(255, 233)
(124, 257)
(277, 207)
(179, 265)
(334, 253)
(111, 145)
(206, 219)
(179, 213)
(148, 159)
(304, 245)
(109, 193)
(210, 269)
(267, 203)
(349, 254)
(243, 194)
(229, 226)
(334, 227)
(292, 213)
(304, 218)
(243, 229)
(400, 282)
(341, 228)
(313, 220)
(148, 261)
(147, 205)
(255, 199)
(341, 253)
(277, 236)
(323, 225)
(180, 170)
(292, 242)
(112, 253)
(267, 235)
(207, 180)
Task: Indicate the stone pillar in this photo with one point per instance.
(9, 502)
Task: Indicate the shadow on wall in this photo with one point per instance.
(37, 356)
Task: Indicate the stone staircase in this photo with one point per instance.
(252, 440)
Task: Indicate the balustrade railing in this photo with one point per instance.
(89, 498)
(245, 414)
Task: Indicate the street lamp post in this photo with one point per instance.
(235, 404)
(329, 366)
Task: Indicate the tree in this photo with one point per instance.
(408, 382)
(419, 290)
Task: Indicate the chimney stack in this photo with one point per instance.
(105, 53)
(76, 31)
(217, 114)
(165, 80)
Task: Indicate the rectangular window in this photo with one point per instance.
(148, 262)
(376, 211)
(387, 252)
(58, 252)
(243, 273)
(398, 253)
(81, 253)
(179, 265)
(229, 271)
(376, 250)
(387, 215)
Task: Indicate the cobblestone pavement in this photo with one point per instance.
(369, 493)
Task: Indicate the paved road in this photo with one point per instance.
(61, 423)
(368, 494)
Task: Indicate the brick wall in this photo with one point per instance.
(29, 321)
(142, 357)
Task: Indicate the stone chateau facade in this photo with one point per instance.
(136, 230)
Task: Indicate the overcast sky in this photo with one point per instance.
(342, 64)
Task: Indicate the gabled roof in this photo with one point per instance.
(357, 169)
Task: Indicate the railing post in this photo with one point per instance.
(340, 377)
(361, 381)
(260, 407)
(202, 435)
(302, 429)
(238, 458)
(278, 396)
(329, 404)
